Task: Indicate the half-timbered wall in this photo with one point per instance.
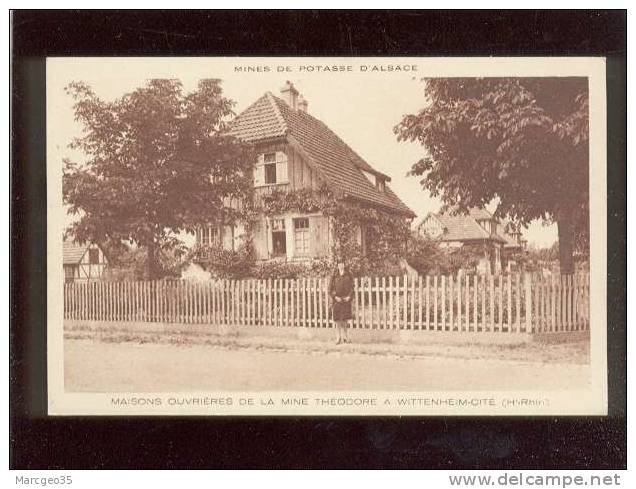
(299, 175)
(90, 267)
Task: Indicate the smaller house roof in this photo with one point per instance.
(461, 227)
(73, 252)
(464, 227)
(479, 213)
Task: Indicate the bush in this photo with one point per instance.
(225, 263)
(130, 264)
(278, 270)
(428, 258)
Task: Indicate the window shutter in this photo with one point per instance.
(259, 239)
(259, 176)
(319, 236)
(281, 172)
(281, 167)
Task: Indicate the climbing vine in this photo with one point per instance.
(385, 238)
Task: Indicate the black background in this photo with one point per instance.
(39, 442)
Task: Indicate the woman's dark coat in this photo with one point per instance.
(341, 286)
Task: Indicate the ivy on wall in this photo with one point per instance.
(386, 236)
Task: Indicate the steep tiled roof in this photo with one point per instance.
(341, 167)
(461, 227)
(480, 213)
(259, 121)
(73, 252)
(464, 227)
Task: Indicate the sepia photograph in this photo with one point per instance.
(267, 236)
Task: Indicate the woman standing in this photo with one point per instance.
(341, 292)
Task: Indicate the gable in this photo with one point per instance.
(333, 160)
(431, 227)
(75, 253)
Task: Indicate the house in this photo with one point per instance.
(83, 262)
(298, 153)
(514, 245)
(478, 229)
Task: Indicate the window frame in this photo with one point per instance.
(304, 234)
(267, 169)
(277, 227)
(93, 252)
(264, 169)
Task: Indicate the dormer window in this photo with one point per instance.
(271, 169)
(380, 184)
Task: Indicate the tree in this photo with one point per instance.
(523, 141)
(158, 163)
(427, 257)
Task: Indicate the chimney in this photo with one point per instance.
(302, 104)
(290, 95)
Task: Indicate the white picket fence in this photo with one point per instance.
(512, 303)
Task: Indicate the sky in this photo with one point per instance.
(359, 103)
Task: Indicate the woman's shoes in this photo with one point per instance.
(339, 341)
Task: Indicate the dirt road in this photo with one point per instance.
(94, 366)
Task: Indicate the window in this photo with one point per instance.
(93, 256)
(271, 169)
(209, 236)
(270, 173)
(69, 273)
(301, 236)
(279, 237)
(379, 183)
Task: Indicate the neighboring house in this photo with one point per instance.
(514, 238)
(295, 151)
(83, 262)
(478, 229)
(514, 245)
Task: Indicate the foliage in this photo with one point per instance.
(428, 258)
(158, 163)
(523, 141)
(130, 263)
(222, 263)
(521, 258)
(302, 200)
(463, 258)
(385, 234)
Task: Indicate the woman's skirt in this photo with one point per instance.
(342, 311)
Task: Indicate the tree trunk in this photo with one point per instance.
(151, 262)
(565, 225)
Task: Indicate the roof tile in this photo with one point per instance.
(464, 227)
(73, 252)
(270, 117)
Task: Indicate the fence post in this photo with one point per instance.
(527, 279)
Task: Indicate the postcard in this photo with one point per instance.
(326, 236)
